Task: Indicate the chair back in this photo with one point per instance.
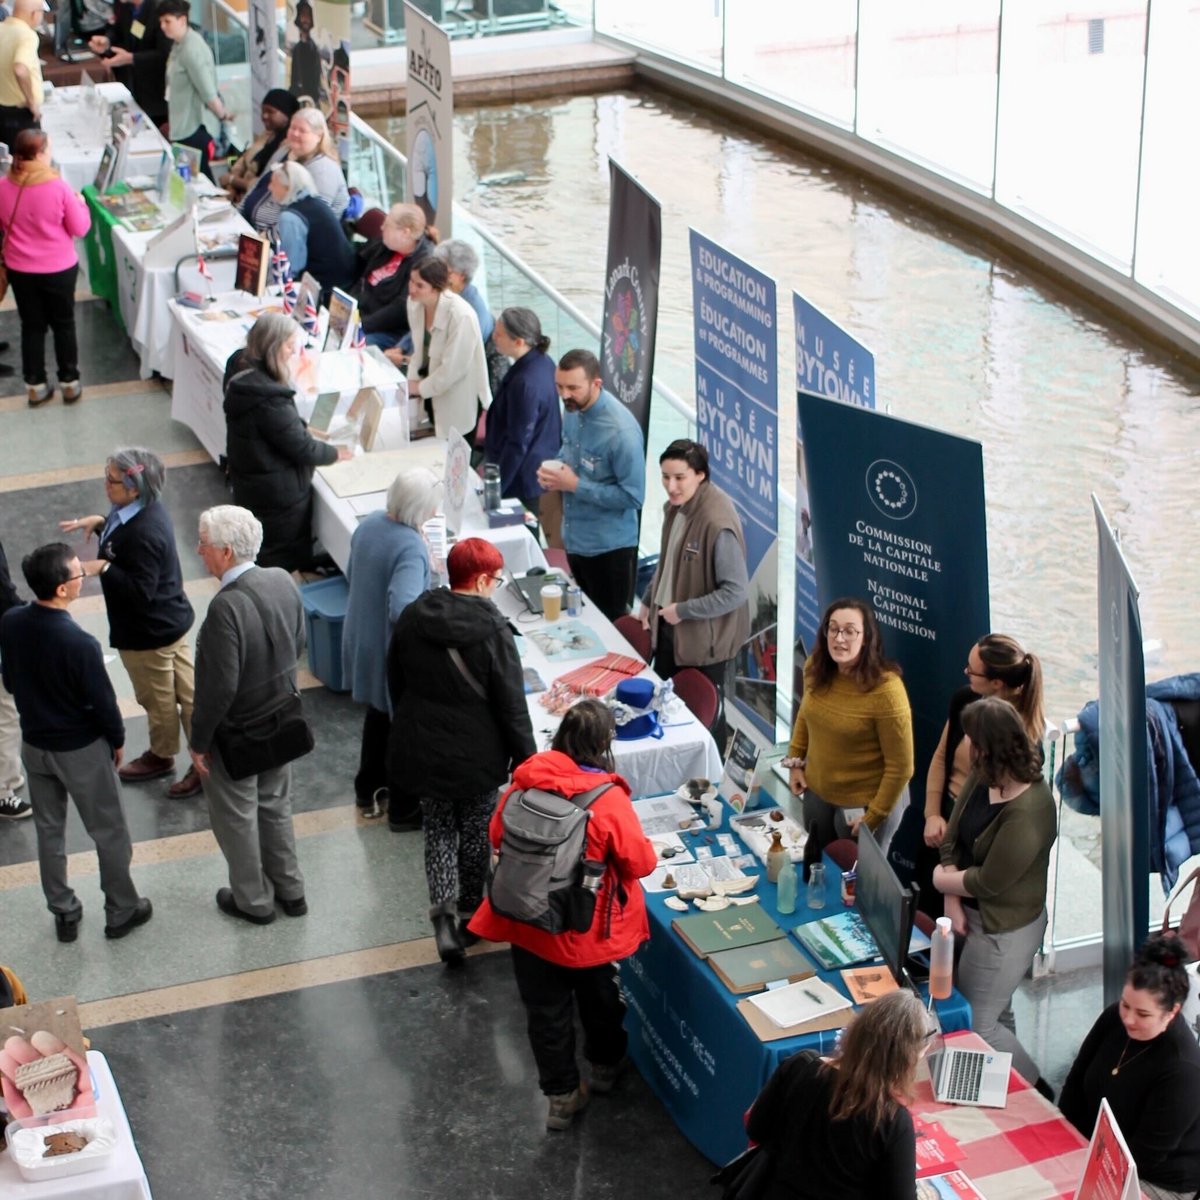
(699, 693)
(844, 852)
(370, 224)
(630, 628)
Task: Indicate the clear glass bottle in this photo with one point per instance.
(785, 897)
(816, 886)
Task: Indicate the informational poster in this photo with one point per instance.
(899, 522)
(1110, 1172)
(264, 56)
(829, 362)
(430, 119)
(737, 422)
(631, 294)
(1124, 772)
(318, 43)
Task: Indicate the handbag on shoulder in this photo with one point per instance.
(1189, 924)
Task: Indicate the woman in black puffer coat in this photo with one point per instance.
(270, 453)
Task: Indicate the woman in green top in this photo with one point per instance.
(194, 106)
(995, 858)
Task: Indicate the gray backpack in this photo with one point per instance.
(541, 876)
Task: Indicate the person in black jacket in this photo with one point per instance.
(309, 232)
(387, 263)
(837, 1128)
(269, 451)
(148, 613)
(137, 50)
(12, 806)
(1141, 1056)
(72, 737)
(524, 423)
(459, 724)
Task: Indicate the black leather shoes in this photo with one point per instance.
(447, 938)
(293, 908)
(228, 905)
(67, 928)
(141, 914)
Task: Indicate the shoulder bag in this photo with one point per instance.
(3, 265)
(1189, 923)
(272, 740)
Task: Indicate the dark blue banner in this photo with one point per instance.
(1124, 772)
(898, 521)
(829, 362)
(737, 422)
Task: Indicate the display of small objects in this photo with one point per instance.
(756, 830)
(63, 1143)
(48, 1084)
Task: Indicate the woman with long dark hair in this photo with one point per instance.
(852, 745)
(1142, 1058)
(837, 1128)
(995, 859)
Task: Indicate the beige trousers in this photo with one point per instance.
(11, 778)
(164, 682)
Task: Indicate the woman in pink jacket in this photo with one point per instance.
(41, 217)
(559, 972)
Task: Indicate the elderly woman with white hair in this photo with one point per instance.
(311, 236)
(149, 614)
(269, 451)
(310, 145)
(387, 263)
(388, 569)
(463, 262)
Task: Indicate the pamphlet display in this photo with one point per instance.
(747, 767)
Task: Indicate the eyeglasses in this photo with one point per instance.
(72, 578)
(496, 578)
(846, 633)
(975, 674)
(114, 482)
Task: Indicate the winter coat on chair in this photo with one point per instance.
(448, 741)
(271, 457)
(614, 835)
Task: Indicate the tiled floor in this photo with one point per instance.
(331, 1055)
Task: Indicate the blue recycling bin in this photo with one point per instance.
(324, 615)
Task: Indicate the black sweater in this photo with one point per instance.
(384, 307)
(57, 676)
(816, 1158)
(143, 586)
(1155, 1097)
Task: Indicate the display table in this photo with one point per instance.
(1025, 1151)
(123, 1178)
(692, 1046)
(650, 766)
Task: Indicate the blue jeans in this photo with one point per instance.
(385, 341)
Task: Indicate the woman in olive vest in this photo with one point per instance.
(695, 607)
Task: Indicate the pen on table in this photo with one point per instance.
(812, 996)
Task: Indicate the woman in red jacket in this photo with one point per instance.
(553, 970)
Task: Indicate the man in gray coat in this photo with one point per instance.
(246, 655)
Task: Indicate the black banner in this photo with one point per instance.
(631, 294)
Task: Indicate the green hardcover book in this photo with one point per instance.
(751, 968)
(737, 925)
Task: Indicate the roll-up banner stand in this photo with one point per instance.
(1124, 770)
(430, 119)
(737, 422)
(898, 521)
(318, 43)
(264, 56)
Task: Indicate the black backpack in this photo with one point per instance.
(541, 876)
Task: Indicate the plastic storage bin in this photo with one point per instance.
(324, 615)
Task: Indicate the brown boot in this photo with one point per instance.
(146, 766)
(188, 786)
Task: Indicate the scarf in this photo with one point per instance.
(30, 172)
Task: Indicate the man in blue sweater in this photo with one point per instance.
(72, 741)
(602, 474)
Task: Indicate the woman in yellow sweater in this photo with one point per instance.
(852, 746)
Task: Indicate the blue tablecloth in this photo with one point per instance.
(687, 1038)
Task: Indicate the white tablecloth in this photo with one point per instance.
(124, 1178)
(651, 766)
(78, 135)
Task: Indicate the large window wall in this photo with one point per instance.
(1074, 118)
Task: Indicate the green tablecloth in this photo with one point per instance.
(101, 262)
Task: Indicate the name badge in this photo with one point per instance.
(137, 31)
(588, 464)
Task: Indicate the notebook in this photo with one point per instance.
(978, 1077)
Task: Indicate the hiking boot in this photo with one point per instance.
(604, 1077)
(563, 1108)
(146, 766)
(13, 808)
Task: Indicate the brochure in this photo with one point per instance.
(937, 1151)
(953, 1186)
(800, 1002)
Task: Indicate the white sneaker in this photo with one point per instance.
(13, 808)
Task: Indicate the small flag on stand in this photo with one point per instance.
(205, 273)
(281, 277)
(311, 322)
(359, 341)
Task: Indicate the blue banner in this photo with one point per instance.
(898, 521)
(737, 422)
(829, 362)
(1124, 770)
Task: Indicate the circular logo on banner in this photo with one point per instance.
(891, 489)
(624, 345)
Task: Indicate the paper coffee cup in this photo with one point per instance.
(551, 464)
(552, 601)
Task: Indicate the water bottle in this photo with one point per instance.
(816, 886)
(941, 961)
(592, 873)
(785, 897)
(491, 486)
(574, 600)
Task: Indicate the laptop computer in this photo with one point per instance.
(528, 588)
(978, 1077)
